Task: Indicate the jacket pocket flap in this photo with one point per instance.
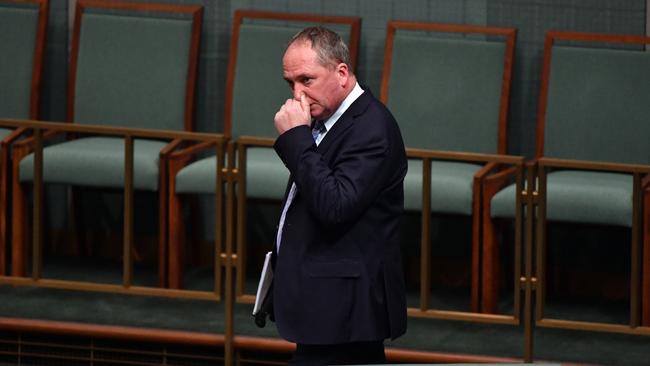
(344, 269)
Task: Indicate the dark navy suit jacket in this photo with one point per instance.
(338, 274)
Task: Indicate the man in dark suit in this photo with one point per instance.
(338, 288)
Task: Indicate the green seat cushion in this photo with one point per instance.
(198, 177)
(97, 162)
(18, 27)
(266, 175)
(579, 196)
(4, 132)
(451, 186)
(503, 203)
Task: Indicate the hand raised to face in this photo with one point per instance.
(293, 113)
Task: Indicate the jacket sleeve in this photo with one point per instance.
(362, 167)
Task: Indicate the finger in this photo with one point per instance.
(303, 102)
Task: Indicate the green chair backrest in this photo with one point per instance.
(19, 63)
(132, 69)
(258, 89)
(446, 93)
(598, 105)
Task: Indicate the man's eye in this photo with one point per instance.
(306, 81)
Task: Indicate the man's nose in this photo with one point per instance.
(297, 90)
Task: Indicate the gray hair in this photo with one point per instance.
(328, 45)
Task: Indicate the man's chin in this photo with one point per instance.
(318, 114)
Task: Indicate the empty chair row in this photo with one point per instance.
(448, 87)
(142, 77)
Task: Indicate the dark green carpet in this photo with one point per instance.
(423, 334)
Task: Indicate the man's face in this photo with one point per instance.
(323, 86)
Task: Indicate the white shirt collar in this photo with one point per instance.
(347, 102)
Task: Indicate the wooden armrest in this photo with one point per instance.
(255, 141)
(502, 175)
(173, 145)
(14, 135)
(179, 159)
(645, 182)
(463, 156)
(28, 143)
(594, 166)
(191, 150)
(497, 181)
(491, 169)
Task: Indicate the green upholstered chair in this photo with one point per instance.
(255, 90)
(448, 87)
(132, 65)
(593, 151)
(22, 37)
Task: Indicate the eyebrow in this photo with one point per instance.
(300, 77)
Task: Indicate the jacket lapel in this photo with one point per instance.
(346, 120)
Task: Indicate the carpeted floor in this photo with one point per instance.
(455, 337)
(423, 334)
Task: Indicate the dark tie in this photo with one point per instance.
(317, 129)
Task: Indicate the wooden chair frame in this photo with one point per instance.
(640, 243)
(40, 132)
(640, 271)
(34, 113)
(39, 51)
(492, 163)
(19, 205)
(177, 161)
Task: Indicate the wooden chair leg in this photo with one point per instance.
(645, 263)
(490, 267)
(19, 226)
(490, 255)
(4, 162)
(163, 250)
(47, 225)
(476, 250)
(195, 236)
(176, 242)
(490, 259)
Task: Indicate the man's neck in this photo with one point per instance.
(345, 104)
(352, 81)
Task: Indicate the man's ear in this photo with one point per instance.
(343, 73)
